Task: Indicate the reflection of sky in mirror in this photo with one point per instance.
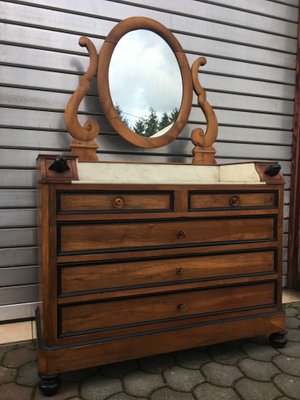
(144, 72)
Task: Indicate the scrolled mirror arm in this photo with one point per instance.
(200, 138)
(90, 129)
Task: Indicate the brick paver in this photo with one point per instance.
(247, 369)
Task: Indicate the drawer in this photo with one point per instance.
(127, 313)
(111, 276)
(91, 237)
(71, 202)
(200, 201)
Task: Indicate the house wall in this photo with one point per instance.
(249, 78)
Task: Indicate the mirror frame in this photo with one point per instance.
(105, 55)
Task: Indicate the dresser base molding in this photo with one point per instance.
(70, 357)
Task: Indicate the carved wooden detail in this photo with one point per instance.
(83, 145)
(203, 152)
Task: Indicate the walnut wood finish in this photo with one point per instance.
(110, 276)
(145, 310)
(135, 270)
(114, 201)
(110, 236)
(208, 201)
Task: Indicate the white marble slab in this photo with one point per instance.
(126, 173)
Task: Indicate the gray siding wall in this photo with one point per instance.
(250, 80)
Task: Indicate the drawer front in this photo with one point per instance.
(88, 237)
(113, 201)
(113, 314)
(105, 276)
(200, 201)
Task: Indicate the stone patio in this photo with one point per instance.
(246, 369)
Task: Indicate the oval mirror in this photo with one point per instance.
(144, 82)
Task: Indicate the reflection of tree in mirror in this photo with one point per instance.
(151, 124)
(122, 116)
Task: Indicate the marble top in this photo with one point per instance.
(129, 173)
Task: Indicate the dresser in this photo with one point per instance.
(131, 269)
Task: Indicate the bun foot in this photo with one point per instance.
(278, 339)
(49, 384)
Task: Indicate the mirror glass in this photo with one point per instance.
(145, 83)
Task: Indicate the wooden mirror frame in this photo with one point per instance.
(105, 55)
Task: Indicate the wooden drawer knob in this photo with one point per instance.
(181, 234)
(180, 271)
(182, 307)
(234, 201)
(118, 202)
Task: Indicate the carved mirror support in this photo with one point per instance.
(83, 144)
(203, 152)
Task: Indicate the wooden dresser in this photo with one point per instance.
(130, 270)
(139, 259)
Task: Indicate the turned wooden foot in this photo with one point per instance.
(278, 339)
(49, 384)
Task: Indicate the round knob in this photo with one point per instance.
(181, 234)
(180, 271)
(118, 202)
(182, 307)
(234, 201)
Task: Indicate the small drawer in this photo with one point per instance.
(112, 276)
(128, 313)
(96, 237)
(200, 201)
(74, 202)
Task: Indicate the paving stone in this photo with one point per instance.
(292, 322)
(288, 365)
(291, 349)
(98, 387)
(193, 358)
(258, 370)
(139, 383)
(259, 352)
(19, 356)
(79, 375)
(291, 312)
(28, 374)
(182, 379)
(3, 349)
(117, 370)
(124, 396)
(31, 345)
(290, 385)
(12, 391)
(72, 398)
(259, 340)
(226, 353)
(7, 374)
(206, 391)
(284, 398)
(66, 391)
(251, 390)
(222, 375)
(294, 335)
(169, 394)
(156, 364)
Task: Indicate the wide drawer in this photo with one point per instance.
(199, 201)
(127, 313)
(72, 202)
(111, 276)
(89, 237)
